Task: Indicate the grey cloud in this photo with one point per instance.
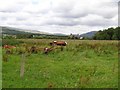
(70, 11)
(20, 19)
(106, 9)
(3, 18)
(13, 8)
(73, 15)
(8, 10)
(97, 20)
(98, 23)
(62, 23)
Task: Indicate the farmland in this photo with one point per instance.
(81, 64)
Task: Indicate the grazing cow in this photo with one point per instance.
(46, 50)
(8, 47)
(33, 49)
(59, 43)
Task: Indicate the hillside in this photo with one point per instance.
(10, 31)
(89, 34)
(22, 33)
(15, 31)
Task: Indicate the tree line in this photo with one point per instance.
(108, 34)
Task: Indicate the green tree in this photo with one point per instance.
(108, 34)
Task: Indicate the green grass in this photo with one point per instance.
(82, 64)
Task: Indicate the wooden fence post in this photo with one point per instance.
(22, 68)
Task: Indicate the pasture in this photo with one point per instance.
(81, 64)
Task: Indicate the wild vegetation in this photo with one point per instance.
(81, 64)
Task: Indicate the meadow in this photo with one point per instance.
(81, 64)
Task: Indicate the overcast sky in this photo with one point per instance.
(59, 16)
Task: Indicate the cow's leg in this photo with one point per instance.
(61, 48)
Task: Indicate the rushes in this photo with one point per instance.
(113, 69)
(93, 70)
(50, 85)
(87, 74)
(83, 81)
(5, 58)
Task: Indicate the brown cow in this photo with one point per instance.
(8, 47)
(59, 43)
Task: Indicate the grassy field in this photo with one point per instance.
(82, 64)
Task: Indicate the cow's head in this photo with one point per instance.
(66, 43)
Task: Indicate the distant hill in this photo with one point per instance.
(89, 34)
(10, 31)
(60, 34)
(15, 31)
(22, 33)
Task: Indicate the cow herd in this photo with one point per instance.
(53, 45)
